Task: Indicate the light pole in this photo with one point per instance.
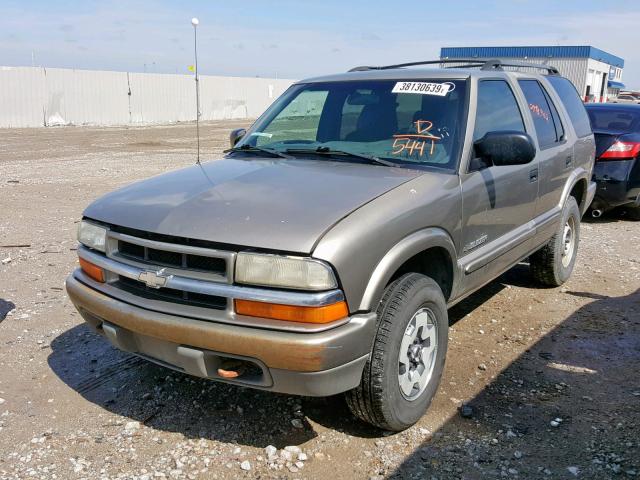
(195, 22)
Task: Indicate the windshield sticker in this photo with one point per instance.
(261, 134)
(423, 88)
(415, 142)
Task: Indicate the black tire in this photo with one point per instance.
(378, 399)
(548, 265)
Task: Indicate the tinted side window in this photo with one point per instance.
(556, 117)
(571, 100)
(540, 111)
(497, 109)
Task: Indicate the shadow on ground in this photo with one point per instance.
(197, 408)
(172, 401)
(5, 307)
(616, 215)
(585, 373)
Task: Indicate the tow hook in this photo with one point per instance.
(231, 369)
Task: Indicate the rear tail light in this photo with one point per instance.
(621, 150)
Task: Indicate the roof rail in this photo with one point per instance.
(493, 64)
(497, 64)
(413, 64)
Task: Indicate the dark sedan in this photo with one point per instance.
(617, 167)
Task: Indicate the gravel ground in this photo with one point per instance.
(539, 383)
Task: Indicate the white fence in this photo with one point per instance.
(37, 97)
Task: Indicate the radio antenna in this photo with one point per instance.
(195, 22)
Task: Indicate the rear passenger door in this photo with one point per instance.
(555, 154)
(578, 122)
(499, 201)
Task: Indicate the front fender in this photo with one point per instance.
(367, 246)
(401, 252)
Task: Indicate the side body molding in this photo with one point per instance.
(405, 249)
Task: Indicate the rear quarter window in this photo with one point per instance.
(540, 111)
(573, 104)
(549, 129)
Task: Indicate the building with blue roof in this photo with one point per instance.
(596, 74)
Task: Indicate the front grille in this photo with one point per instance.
(186, 260)
(131, 250)
(165, 258)
(205, 264)
(170, 294)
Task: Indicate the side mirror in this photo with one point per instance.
(236, 135)
(505, 148)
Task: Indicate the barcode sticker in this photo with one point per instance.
(423, 88)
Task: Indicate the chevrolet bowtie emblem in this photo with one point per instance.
(156, 279)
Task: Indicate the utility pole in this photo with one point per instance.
(195, 22)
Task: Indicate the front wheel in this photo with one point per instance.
(553, 264)
(403, 372)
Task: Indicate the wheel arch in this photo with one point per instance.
(430, 251)
(577, 186)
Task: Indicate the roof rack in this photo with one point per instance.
(493, 64)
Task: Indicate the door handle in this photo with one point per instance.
(533, 175)
(568, 161)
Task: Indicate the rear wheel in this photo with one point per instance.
(408, 355)
(553, 264)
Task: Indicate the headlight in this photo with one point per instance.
(280, 271)
(92, 235)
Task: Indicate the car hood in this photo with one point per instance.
(276, 204)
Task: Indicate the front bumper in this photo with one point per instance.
(313, 364)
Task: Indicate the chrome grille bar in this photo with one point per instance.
(179, 282)
(186, 252)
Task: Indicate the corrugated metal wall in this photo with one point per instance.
(36, 97)
(575, 69)
(547, 51)
(23, 97)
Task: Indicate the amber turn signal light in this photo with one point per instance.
(292, 313)
(92, 270)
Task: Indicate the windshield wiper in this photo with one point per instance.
(251, 149)
(330, 151)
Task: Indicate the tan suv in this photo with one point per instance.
(321, 254)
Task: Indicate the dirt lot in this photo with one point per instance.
(550, 376)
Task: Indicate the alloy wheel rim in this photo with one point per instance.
(568, 241)
(417, 356)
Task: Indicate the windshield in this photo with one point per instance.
(405, 122)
